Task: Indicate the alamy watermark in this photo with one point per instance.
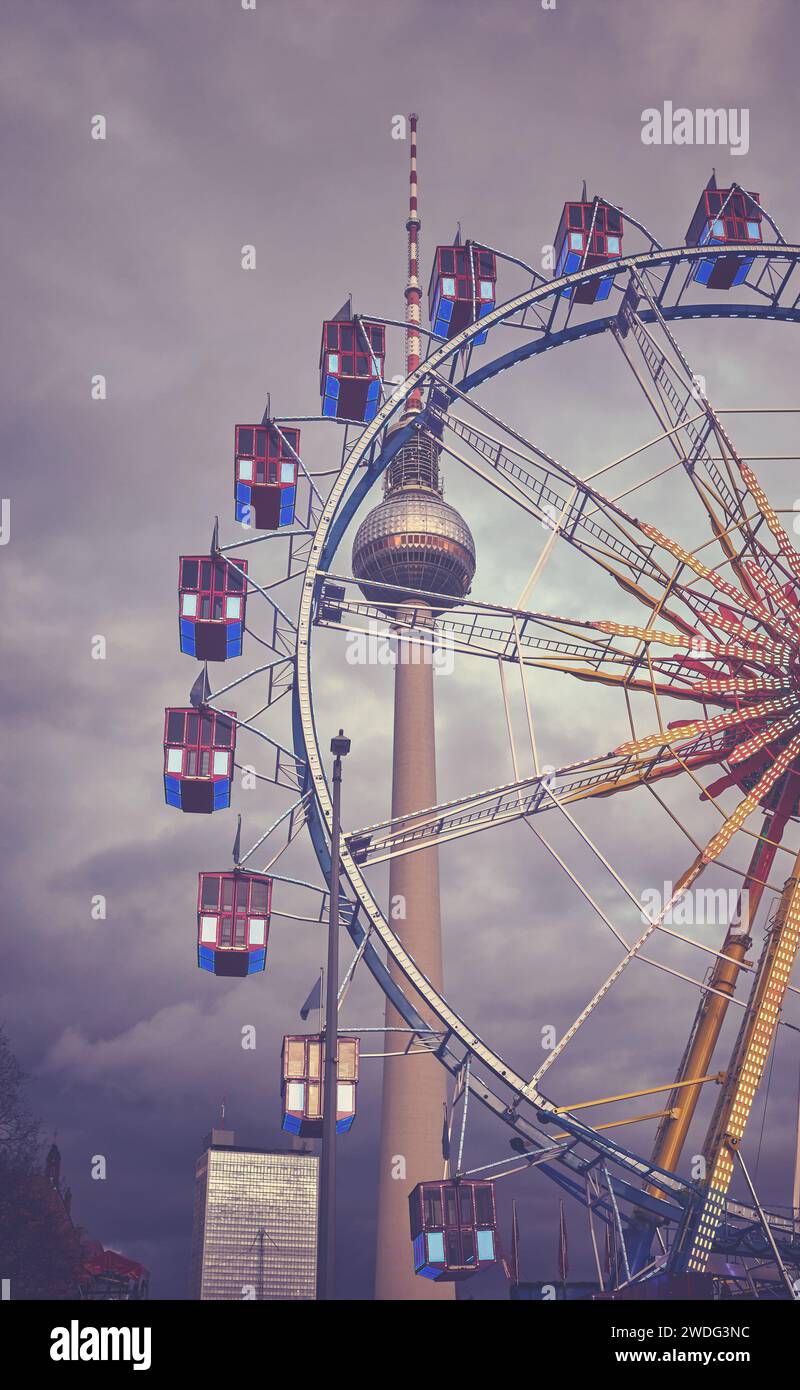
(377, 647)
(679, 125)
(697, 907)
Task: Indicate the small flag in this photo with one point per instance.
(514, 1243)
(200, 691)
(237, 843)
(314, 1000)
(563, 1253)
(445, 1136)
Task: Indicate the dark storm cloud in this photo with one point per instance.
(273, 128)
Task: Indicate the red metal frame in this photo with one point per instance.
(302, 1068)
(265, 474)
(453, 1211)
(212, 598)
(233, 918)
(199, 751)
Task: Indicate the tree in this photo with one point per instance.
(40, 1249)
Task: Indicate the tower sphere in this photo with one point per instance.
(413, 538)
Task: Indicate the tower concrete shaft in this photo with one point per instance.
(414, 1088)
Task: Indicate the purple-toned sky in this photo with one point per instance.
(272, 127)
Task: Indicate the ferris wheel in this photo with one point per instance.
(701, 653)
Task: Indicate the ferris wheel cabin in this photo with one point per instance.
(233, 911)
(462, 289)
(453, 1228)
(724, 215)
(212, 596)
(199, 747)
(351, 363)
(303, 1062)
(265, 475)
(589, 234)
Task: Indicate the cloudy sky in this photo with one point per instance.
(272, 128)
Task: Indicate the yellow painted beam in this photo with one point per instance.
(718, 1076)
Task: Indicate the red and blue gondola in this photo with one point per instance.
(212, 596)
(199, 748)
(233, 913)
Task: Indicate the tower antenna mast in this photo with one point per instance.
(413, 292)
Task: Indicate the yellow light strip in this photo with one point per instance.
(752, 605)
(769, 993)
(728, 720)
(762, 502)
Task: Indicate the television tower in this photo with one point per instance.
(416, 540)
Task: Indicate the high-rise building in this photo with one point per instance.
(254, 1233)
(419, 544)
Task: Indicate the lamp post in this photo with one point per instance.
(326, 1229)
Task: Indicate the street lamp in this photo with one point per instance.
(326, 1229)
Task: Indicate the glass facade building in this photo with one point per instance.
(255, 1222)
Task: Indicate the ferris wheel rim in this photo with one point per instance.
(338, 511)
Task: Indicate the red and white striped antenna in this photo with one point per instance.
(413, 292)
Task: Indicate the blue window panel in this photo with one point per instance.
(483, 310)
(741, 273)
(205, 958)
(292, 1123)
(485, 1245)
(604, 288)
(256, 962)
(342, 1126)
(436, 1246)
(703, 272)
(332, 387)
(243, 492)
(222, 795)
(419, 1252)
(329, 406)
(569, 264)
(188, 637)
(443, 313)
(286, 514)
(172, 791)
(373, 390)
